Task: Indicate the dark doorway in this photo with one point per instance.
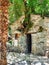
(28, 42)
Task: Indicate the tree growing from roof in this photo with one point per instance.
(34, 6)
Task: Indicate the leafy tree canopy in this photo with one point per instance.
(16, 9)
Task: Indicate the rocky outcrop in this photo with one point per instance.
(40, 40)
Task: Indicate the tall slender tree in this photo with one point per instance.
(27, 25)
(3, 30)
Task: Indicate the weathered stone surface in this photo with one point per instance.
(21, 46)
(38, 42)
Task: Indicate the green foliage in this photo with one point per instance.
(11, 1)
(11, 14)
(9, 29)
(40, 29)
(40, 6)
(15, 10)
(10, 41)
(30, 24)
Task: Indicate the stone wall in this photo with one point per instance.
(40, 41)
(20, 45)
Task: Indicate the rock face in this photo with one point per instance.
(21, 46)
(38, 43)
(40, 40)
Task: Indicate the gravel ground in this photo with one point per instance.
(26, 59)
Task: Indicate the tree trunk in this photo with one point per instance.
(26, 22)
(3, 31)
